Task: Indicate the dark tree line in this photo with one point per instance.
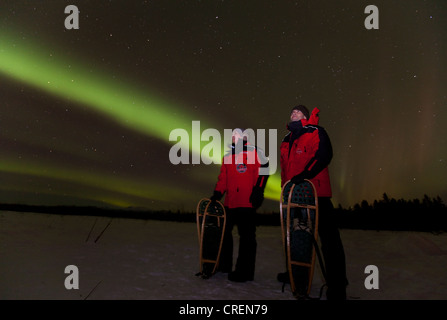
(428, 214)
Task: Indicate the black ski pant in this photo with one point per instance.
(332, 250)
(245, 220)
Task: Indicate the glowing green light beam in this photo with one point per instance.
(35, 66)
(31, 64)
(119, 185)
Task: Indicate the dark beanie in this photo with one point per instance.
(303, 109)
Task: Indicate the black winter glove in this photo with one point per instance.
(257, 197)
(299, 178)
(216, 196)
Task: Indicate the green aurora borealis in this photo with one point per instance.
(148, 115)
(86, 114)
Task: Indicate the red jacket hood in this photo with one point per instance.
(313, 119)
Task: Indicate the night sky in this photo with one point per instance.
(86, 114)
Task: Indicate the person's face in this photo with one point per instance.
(236, 137)
(297, 115)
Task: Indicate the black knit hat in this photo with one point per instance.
(303, 109)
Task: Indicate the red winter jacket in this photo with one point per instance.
(239, 173)
(309, 154)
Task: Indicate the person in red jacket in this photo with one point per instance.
(306, 152)
(243, 186)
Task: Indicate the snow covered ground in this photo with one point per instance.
(157, 260)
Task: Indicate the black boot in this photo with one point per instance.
(236, 276)
(283, 277)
